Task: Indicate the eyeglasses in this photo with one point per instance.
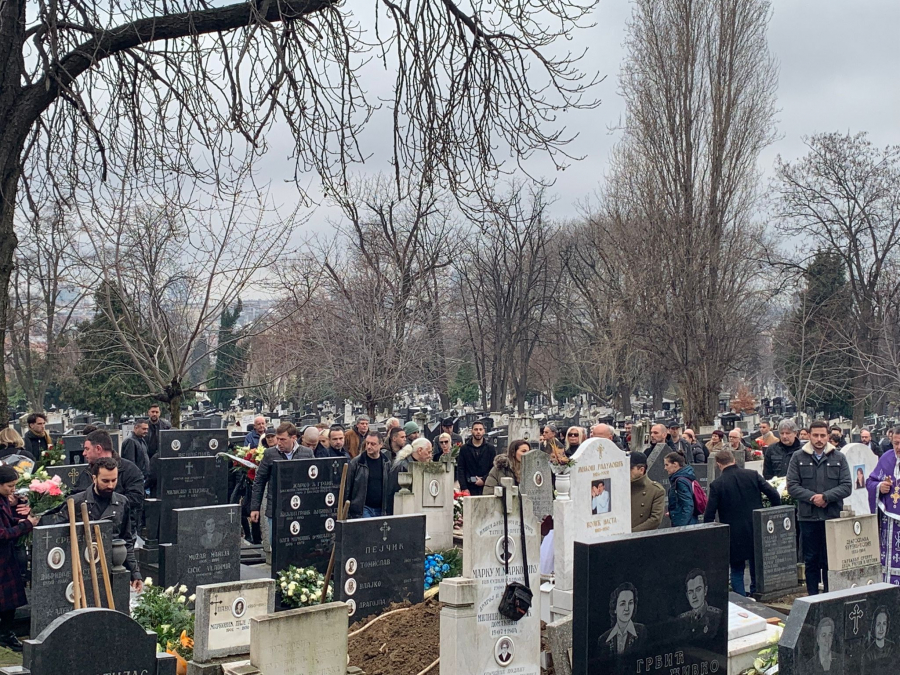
(443, 441)
(573, 435)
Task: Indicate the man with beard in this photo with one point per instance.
(37, 440)
(354, 438)
(396, 441)
(475, 461)
(134, 449)
(778, 454)
(657, 442)
(447, 428)
(129, 479)
(105, 503)
(335, 444)
(155, 424)
(818, 478)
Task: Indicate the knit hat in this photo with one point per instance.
(638, 459)
(411, 428)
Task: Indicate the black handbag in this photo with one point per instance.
(516, 599)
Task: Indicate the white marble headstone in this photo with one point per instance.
(501, 646)
(305, 640)
(601, 467)
(859, 456)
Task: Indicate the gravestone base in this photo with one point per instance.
(777, 595)
(457, 626)
(561, 603)
(559, 633)
(743, 651)
(838, 580)
(121, 588)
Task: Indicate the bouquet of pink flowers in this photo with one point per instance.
(42, 491)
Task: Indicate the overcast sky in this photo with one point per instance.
(839, 71)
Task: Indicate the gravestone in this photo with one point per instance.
(73, 446)
(862, 462)
(379, 561)
(305, 503)
(524, 427)
(183, 483)
(65, 647)
(559, 635)
(304, 640)
(68, 473)
(51, 572)
(223, 614)
(674, 618)
(192, 442)
(600, 469)
(775, 549)
(855, 630)
(854, 557)
(493, 643)
(432, 494)
(537, 483)
(206, 549)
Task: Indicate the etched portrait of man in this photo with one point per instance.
(701, 621)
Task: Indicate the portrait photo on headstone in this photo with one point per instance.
(600, 496)
(630, 617)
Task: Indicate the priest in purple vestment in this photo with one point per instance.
(883, 485)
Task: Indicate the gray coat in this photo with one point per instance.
(829, 478)
(264, 473)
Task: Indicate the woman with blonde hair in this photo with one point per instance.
(443, 446)
(10, 442)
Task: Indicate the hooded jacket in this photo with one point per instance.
(778, 456)
(681, 497)
(829, 477)
(501, 469)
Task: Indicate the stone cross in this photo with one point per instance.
(385, 528)
(855, 616)
(188, 467)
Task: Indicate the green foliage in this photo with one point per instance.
(166, 612)
(813, 357)
(465, 385)
(104, 370)
(230, 360)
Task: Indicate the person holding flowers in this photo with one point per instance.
(16, 520)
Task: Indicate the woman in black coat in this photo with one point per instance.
(15, 520)
(733, 496)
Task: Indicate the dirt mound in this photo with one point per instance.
(404, 643)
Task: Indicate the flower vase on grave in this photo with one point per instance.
(119, 553)
(563, 486)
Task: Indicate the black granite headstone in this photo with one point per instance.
(51, 571)
(68, 473)
(305, 500)
(192, 442)
(775, 549)
(647, 603)
(183, 483)
(379, 561)
(74, 447)
(93, 642)
(207, 547)
(854, 631)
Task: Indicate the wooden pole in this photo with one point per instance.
(110, 601)
(89, 542)
(340, 516)
(76, 559)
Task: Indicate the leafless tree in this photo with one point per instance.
(699, 87)
(373, 327)
(93, 89)
(509, 274)
(167, 274)
(844, 197)
(48, 285)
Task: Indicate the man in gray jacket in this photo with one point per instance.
(818, 478)
(286, 447)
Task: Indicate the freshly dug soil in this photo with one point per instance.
(402, 644)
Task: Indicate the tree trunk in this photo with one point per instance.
(9, 184)
(624, 396)
(175, 412)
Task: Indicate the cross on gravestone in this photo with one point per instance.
(231, 516)
(855, 616)
(385, 528)
(47, 538)
(73, 475)
(188, 467)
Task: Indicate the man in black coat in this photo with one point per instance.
(129, 480)
(475, 461)
(155, 424)
(134, 449)
(778, 455)
(733, 496)
(368, 481)
(36, 437)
